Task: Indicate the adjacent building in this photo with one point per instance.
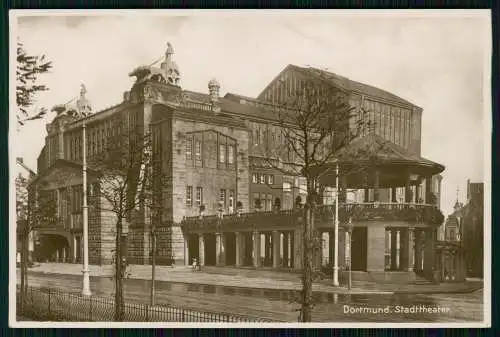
(223, 204)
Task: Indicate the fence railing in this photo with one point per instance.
(54, 305)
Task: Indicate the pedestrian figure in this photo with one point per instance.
(194, 265)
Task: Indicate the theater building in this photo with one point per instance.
(223, 205)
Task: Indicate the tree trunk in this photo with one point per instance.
(22, 292)
(119, 273)
(307, 277)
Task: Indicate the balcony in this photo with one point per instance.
(324, 216)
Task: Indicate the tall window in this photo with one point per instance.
(262, 178)
(255, 178)
(197, 150)
(222, 198)
(270, 179)
(199, 196)
(222, 153)
(230, 154)
(231, 199)
(189, 195)
(269, 202)
(287, 187)
(189, 148)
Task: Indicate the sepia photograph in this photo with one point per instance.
(250, 168)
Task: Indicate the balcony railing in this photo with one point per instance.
(324, 214)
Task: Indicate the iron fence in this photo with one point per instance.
(48, 304)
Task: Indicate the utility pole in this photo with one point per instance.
(336, 231)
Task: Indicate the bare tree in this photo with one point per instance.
(128, 187)
(35, 209)
(28, 70)
(314, 124)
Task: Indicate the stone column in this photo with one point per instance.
(428, 189)
(394, 249)
(408, 196)
(418, 191)
(276, 249)
(407, 242)
(376, 248)
(297, 249)
(286, 237)
(238, 250)
(376, 186)
(220, 249)
(418, 250)
(394, 194)
(443, 265)
(342, 252)
(343, 191)
(325, 252)
(63, 251)
(256, 249)
(186, 250)
(268, 249)
(201, 249)
(429, 251)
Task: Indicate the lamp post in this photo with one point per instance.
(349, 253)
(336, 231)
(86, 280)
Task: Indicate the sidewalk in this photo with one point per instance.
(260, 279)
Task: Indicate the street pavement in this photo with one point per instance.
(261, 279)
(279, 305)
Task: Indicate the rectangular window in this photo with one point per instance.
(198, 150)
(189, 148)
(262, 178)
(222, 153)
(222, 198)
(199, 196)
(254, 178)
(287, 187)
(269, 202)
(231, 200)
(230, 154)
(270, 179)
(189, 195)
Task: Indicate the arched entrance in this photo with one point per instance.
(52, 248)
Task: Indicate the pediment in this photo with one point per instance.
(63, 173)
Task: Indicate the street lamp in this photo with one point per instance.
(86, 279)
(336, 231)
(349, 228)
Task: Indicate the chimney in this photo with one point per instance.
(213, 90)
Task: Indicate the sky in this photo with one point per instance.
(435, 61)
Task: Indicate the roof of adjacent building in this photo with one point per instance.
(347, 84)
(373, 145)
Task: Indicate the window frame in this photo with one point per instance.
(222, 154)
(199, 196)
(189, 147)
(189, 195)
